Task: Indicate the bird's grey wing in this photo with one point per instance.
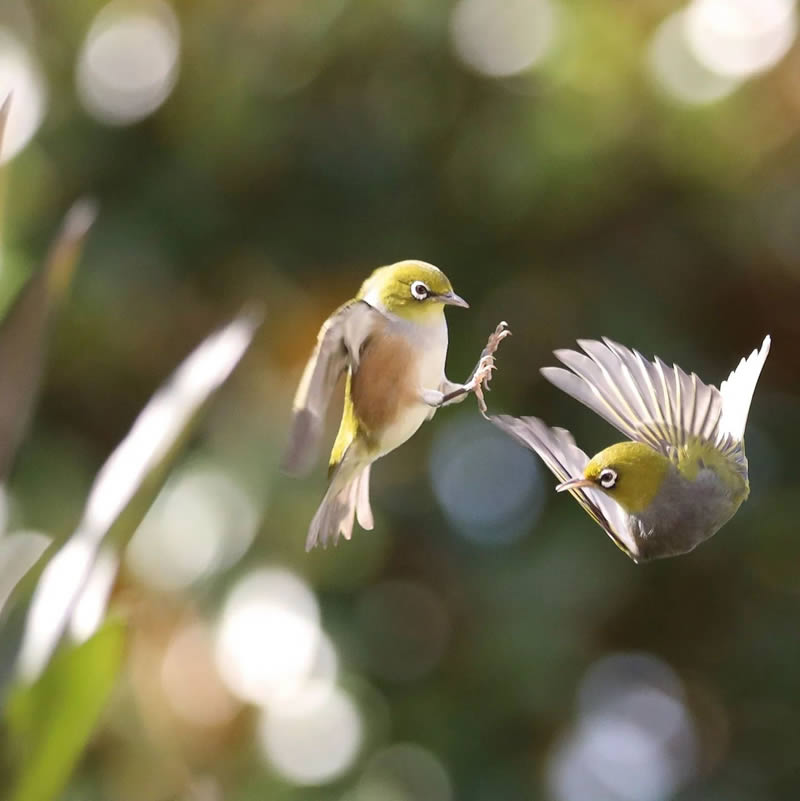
(566, 460)
(649, 402)
(338, 345)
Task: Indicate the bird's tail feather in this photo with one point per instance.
(347, 498)
(363, 508)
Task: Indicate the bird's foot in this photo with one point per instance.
(479, 382)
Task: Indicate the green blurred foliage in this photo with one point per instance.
(305, 144)
(50, 721)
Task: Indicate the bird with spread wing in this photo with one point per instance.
(683, 472)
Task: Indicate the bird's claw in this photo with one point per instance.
(486, 365)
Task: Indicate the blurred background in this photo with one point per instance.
(578, 168)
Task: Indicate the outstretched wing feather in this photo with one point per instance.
(566, 460)
(649, 402)
(337, 348)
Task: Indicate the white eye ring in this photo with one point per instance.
(419, 290)
(608, 478)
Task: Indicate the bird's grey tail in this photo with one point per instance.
(346, 500)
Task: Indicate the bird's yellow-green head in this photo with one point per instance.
(414, 290)
(629, 472)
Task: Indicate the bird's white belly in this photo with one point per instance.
(432, 347)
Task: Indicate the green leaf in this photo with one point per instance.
(5, 107)
(25, 328)
(18, 554)
(23, 345)
(50, 721)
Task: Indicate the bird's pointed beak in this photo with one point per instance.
(575, 483)
(451, 299)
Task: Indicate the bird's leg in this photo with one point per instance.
(478, 380)
(482, 374)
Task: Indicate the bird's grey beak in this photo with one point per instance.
(451, 299)
(575, 483)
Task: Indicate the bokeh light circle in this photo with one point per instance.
(268, 636)
(21, 78)
(634, 738)
(677, 70)
(190, 679)
(318, 681)
(489, 487)
(129, 62)
(201, 522)
(500, 38)
(405, 772)
(740, 38)
(313, 743)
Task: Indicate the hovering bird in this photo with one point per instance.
(391, 341)
(682, 475)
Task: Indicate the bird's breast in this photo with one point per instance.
(394, 366)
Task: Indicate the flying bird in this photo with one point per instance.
(681, 475)
(391, 342)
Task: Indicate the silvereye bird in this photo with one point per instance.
(682, 475)
(391, 341)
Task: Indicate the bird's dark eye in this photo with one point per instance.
(419, 290)
(607, 478)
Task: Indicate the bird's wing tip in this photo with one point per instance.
(587, 343)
